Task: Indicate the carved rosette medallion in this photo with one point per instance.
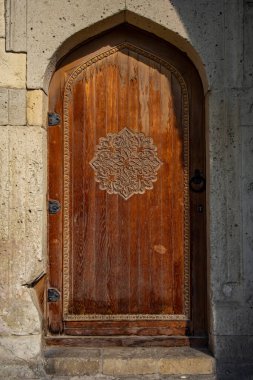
(126, 163)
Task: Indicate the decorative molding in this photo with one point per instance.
(66, 169)
(126, 163)
(125, 317)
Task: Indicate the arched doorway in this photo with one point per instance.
(127, 235)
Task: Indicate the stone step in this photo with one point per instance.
(128, 361)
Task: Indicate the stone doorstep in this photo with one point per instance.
(128, 361)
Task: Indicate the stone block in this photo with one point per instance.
(2, 20)
(17, 371)
(36, 108)
(247, 207)
(233, 43)
(49, 29)
(3, 106)
(164, 361)
(237, 348)
(17, 107)
(133, 366)
(4, 193)
(187, 366)
(246, 107)
(12, 106)
(232, 319)
(65, 362)
(12, 68)
(70, 367)
(201, 24)
(19, 348)
(247, 44)
(16, 25)
(234, 370)
(22, 187)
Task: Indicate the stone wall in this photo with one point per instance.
(218, 37)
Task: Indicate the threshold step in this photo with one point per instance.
(129, 361)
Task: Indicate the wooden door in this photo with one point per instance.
(127, 248)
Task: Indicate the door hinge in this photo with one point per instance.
(53, 118)
(54, 206)
(53, 295)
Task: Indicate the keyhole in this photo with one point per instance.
(200, 208)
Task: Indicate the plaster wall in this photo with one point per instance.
(218, 37)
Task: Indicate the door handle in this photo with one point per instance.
(197, 182)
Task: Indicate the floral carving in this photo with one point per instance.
(126, 163)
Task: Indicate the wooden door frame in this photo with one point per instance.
(196, 112)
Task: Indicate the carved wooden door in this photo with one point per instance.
(127, 247)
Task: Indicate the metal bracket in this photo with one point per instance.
(53, 295)
(54, 206)
(53, 119)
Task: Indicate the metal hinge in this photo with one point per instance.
(53, 118)
(54, 206)
(53, 295)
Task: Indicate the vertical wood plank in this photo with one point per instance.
(78, 152)
(167, 184)
(144, 251)
(89, 279)
(123, 259)
(156, 222)
(133, 202)
(178, 200)
(100, 210)
(112, 220)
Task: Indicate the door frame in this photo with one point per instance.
(196, 112)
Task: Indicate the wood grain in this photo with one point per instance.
(128, 256)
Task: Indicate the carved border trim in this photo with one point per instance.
(123, 317)
(66, 171)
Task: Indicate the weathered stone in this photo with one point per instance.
(73, 362)
(12, 68)
(171, 361)
(186, 366)
(128, 361)
(2, 20)
(17, 107)
(233, 43)
(3, 106)
(20, 347)
(246, 107)
(16, 25)
(231, 319)
(21, 231)
(48, 29)
(36, 108)
(247, 207)
(126, 367)
(247, 44)
(12, 106)
(231, 348)
(4, 199)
